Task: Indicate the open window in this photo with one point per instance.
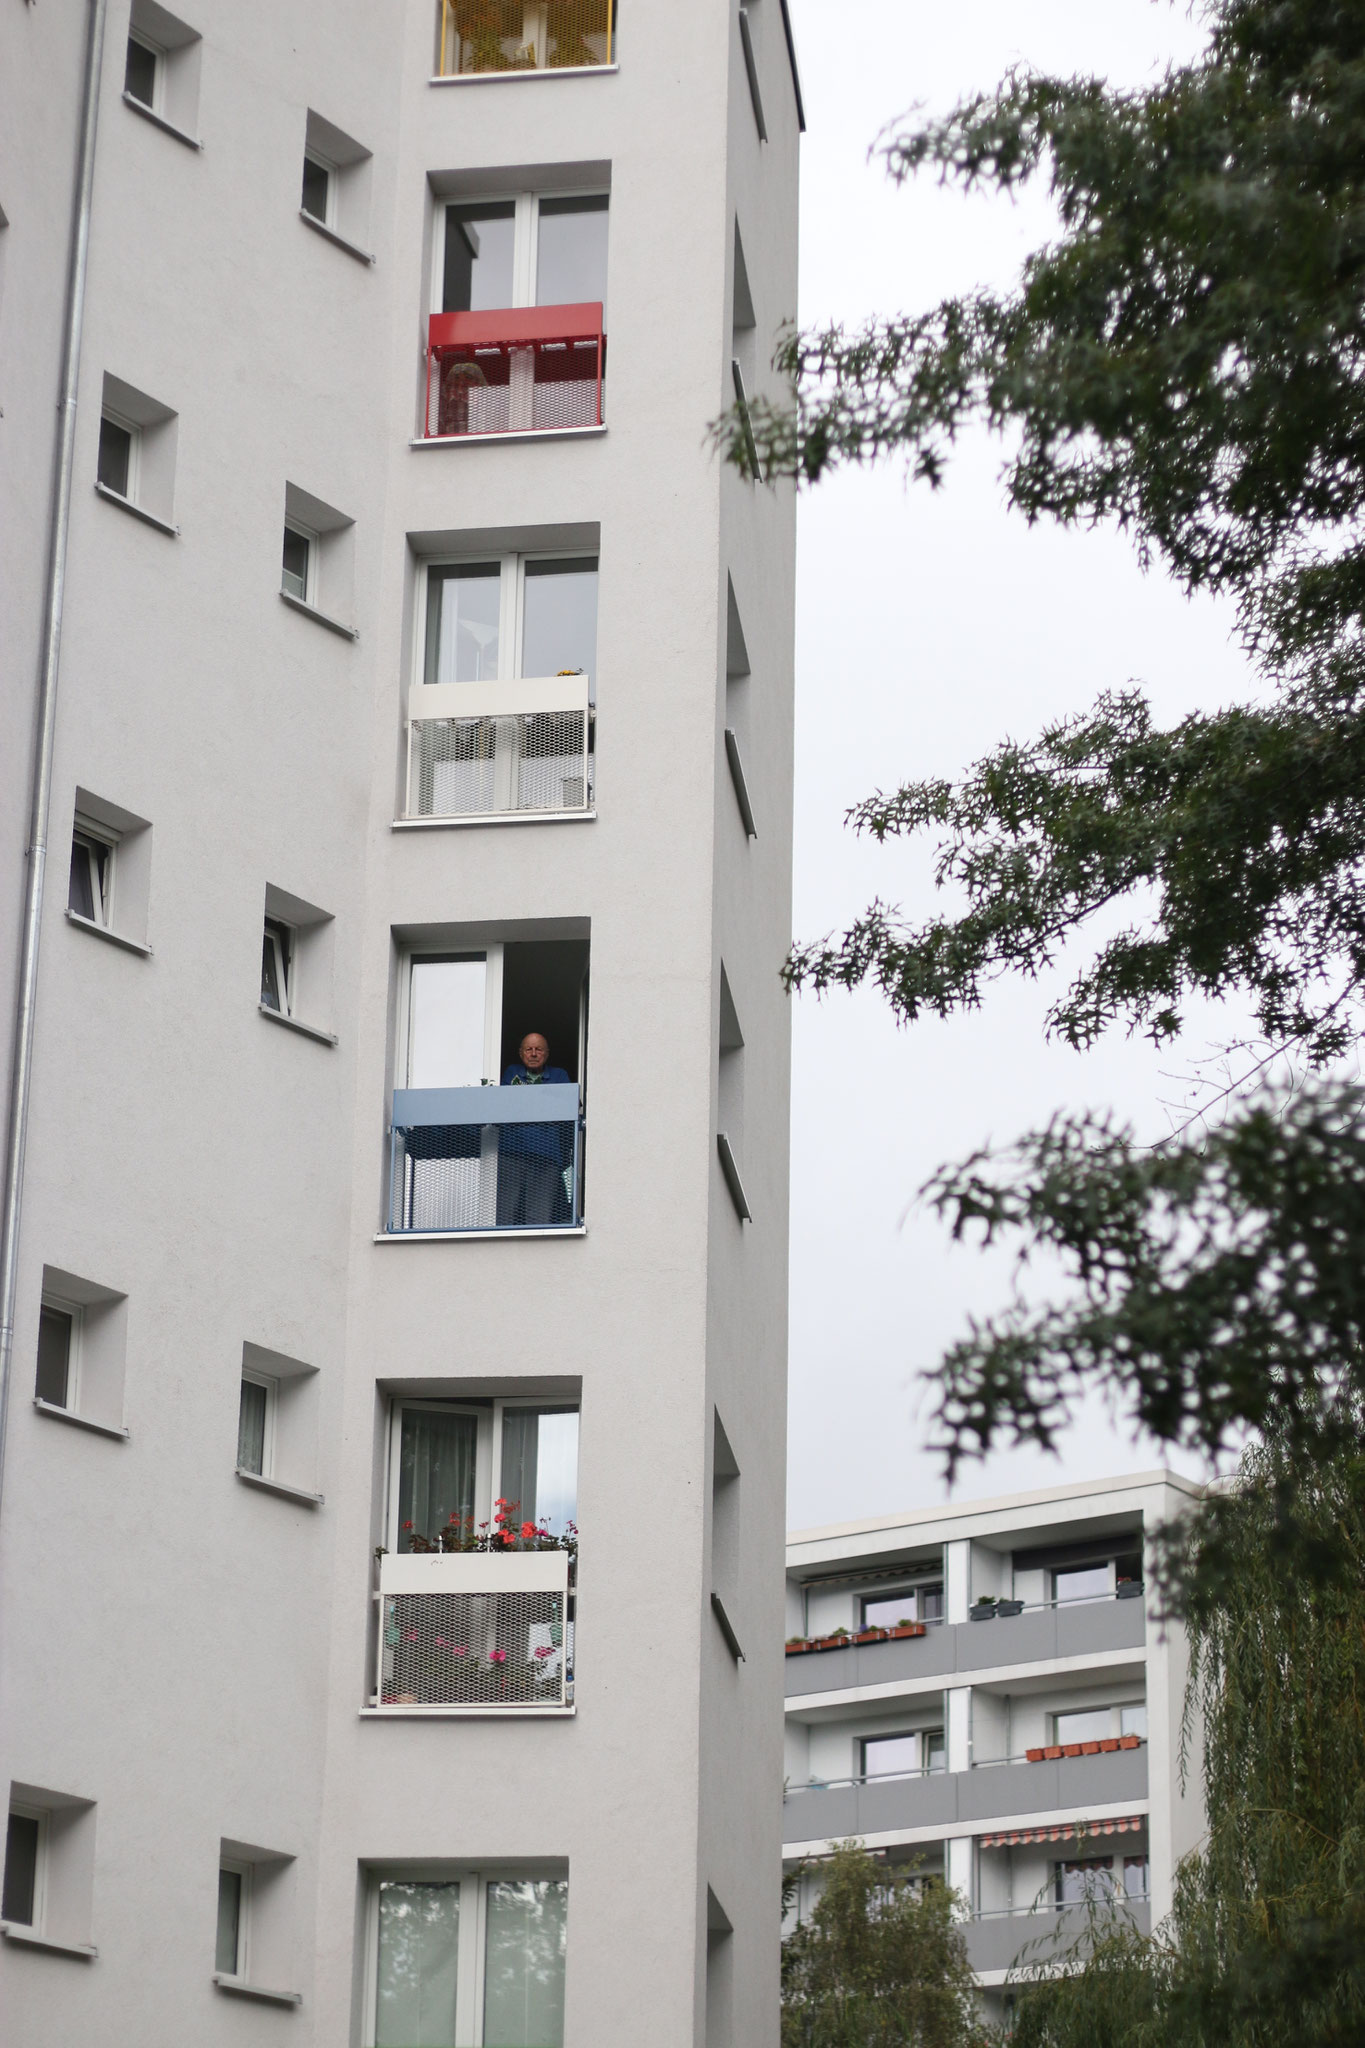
(335, 185)
(135, 462)
(161, 68)
(457, 1956)
(296, 962)
(81, 1338)
(254, 1950)
(49, 1869)
(487, 1110)
(502, 721)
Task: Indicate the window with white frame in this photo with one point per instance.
(277, 963)
(319, 184)
(135, 462)
(466, 1957)
(25, 1860)
(161, 66)
(890, 1756)
(917, 1603)
(140, 69)
(90, 888)
(530, 250)
(446, 1455)
(59, 1332)
(1100, 1724)
(230, 1957)
(116, 466)
(297, 562)
(255, 1424)
(513, 615)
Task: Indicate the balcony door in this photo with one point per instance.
(444, 1455)
(454, 1036)
(533, 250)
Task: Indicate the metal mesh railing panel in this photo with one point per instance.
(483, 1177)
(514, 387)
(530, 761)
(475, 1649)
(521, 35)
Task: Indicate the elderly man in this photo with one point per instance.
(532, 1157)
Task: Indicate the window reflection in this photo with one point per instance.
(419, 1944)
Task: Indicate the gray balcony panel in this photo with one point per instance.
(1024, 1940)
(1099, 1625)
(1066, 1782)
(1085, 1629)
(820, 1815)
(1013, 1639)
(873, 1808)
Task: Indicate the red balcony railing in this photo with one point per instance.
(517, 370)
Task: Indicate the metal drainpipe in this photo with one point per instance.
(46, 711)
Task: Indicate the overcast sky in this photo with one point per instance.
(928, 627)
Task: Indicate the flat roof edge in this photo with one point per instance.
(943, 1511)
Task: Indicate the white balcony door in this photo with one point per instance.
(454, 1040)
(440, 1467)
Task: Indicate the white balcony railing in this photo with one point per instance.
(479, 1630)
(478, 750)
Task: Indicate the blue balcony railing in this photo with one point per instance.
(486, 1158)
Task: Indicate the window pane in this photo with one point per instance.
(139, 73)
(1135, 1877)
(419, 1952)
(1091, 1582)
(480, 242)
(571, 252)
(463, 606)
(54, 1355)
(935, 1751)
(80, 894)
(887, 1754)
(436, 1464)
(1091, 1726)
(1133, 1720)
(540, 1464)
(559, 618)
(115, 457)
(229, 1921)
(294, 568)
(523, 2000)
(316, 179)
(931, 1603)
(272, 970)
(890, 1610)
(446, 1026)
(1091, 1879)
(251, 1428)
(21, 1870)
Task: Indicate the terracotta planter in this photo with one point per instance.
(1053, 1750)
(1129, 1741)
(1110, 1742)
(1071, 1748)
(871, 1635)
(831, 1642)
(1035, 1756)
(1090, 1749)
(906, 1628)
(797, 1649)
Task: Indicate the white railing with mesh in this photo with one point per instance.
(481, 1631)
(476, 750)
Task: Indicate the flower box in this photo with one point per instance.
(1110, 1742)
(1035, 1756)
(906, 1628)
(1072, 1748)
(871, 1635)
(830, 1642)
(798, 1646)
(1128, 1589)
(1053, 1750)
(1129, 1741)
(1090, 1749)
(981, 1610)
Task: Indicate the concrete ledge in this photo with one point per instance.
(320, 227)
(310, 611)
(79, 1421)
(160, 121)
(478, 1236)
(544, 71)
(293, 1024)
(28, 1937)
(241, 1989)
(138, 511)
(467, 1713)
(493, 818)
(102, 931)
(294, 1493)
(501, 440)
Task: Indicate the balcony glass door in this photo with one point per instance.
(437, 1457)
(454, 1031)
(538, 1464)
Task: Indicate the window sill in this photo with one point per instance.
(26, 1937)
(241, 1989)
(295, 1493)
(513, 1236)
(102, 931)
(493, 818)
(293, 1024)
(727, 1628)
(501, 440)
(138, 511)
(79, 1421)
(320, 227)
(160, 121)
(543, 71)
(467, 1713)
(733, 1182)
(296, 604)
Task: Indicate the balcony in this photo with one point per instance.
(475, 37)
(1075, 1628)
(522, 370)
(486, 750)
(1042, 1934)
(484, 1632)
(918, 1799)
(478, 1159)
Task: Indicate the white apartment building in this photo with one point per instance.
(398, 1145)
(979, 1692)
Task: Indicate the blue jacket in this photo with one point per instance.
(536, 1141)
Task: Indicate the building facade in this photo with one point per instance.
(392, 1498)
(980, 1693)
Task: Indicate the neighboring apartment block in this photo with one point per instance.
(980, 1693)
(392, 1536)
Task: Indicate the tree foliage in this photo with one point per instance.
(880, 1963)
(1266, 1943)
(1186, 358)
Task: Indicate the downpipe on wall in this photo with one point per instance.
(45, 709)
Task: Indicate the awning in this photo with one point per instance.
(1064, 1831)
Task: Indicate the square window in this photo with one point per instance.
(277, 953)
(88, 891)
(253, 1427)
(230, 1949)
(115, 466)
(23, 1866)
(139, 72)
(297, 555)
(57, 1334)
(890, 1756)
(317, 188)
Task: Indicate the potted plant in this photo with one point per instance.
(871, 1635)
(1009, 1606)
(982, 1610)
(905, 1627)
(1128, 1589)
(1129, 1741)
(796, 1644)
(837, 1639)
